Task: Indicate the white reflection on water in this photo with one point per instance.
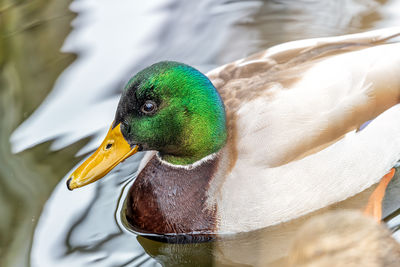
(113, 41)
(79, 228)
(109, 38)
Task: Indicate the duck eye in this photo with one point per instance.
(149, 107)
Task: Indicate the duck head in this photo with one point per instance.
(169, 107)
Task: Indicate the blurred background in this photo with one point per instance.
(62, 66)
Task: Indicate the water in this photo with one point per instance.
(56, 107)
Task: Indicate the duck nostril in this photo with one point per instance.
(68, 183)
(108, 146)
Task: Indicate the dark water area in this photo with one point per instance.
(64, 63)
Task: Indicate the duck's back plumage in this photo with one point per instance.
(294, 115)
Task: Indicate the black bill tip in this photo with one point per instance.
(68, 183)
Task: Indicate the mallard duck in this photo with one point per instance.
(259, 141)
(344, 238)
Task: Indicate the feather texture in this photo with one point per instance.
(293, 112)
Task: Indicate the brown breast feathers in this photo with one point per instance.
(170, 200)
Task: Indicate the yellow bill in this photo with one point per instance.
(111, 152)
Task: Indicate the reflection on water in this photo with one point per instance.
(113, 41)
(30, 61)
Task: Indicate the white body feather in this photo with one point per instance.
(298, 150)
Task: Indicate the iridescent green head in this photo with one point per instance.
(174, 109)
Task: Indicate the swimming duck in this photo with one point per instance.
(344, 238)
(259, 141)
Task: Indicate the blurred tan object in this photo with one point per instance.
(344, 238)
